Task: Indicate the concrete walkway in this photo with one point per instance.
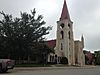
(52, 68)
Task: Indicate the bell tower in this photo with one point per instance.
(64, 41)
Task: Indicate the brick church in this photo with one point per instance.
(64, 45)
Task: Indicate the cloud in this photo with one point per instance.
(14, 7)
(85, 15)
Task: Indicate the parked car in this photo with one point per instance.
(6, 64)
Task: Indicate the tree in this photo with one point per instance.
(19, 36)
(97, 57)
(42, 53)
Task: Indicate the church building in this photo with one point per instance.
(64, 45)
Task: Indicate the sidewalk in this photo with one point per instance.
(52, 68)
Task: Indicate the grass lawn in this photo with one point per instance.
(33, 65)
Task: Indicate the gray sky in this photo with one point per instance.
(85, 15)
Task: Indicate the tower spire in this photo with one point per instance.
(65, 13)
(82, 39)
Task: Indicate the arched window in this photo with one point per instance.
(62, 34)
(69, 35)
(69, 25)
(50, 58)
(62, 26)
(61, 46)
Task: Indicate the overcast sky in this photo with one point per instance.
(85, 15)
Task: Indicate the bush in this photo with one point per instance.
(64, 60)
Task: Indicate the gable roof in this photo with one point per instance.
(51, 43)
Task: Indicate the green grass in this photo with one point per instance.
(32, 65)
(61, 65)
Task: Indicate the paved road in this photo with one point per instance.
(54, 71)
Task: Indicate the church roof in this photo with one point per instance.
(51, 43)
(65, 13)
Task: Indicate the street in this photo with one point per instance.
(54, 71)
